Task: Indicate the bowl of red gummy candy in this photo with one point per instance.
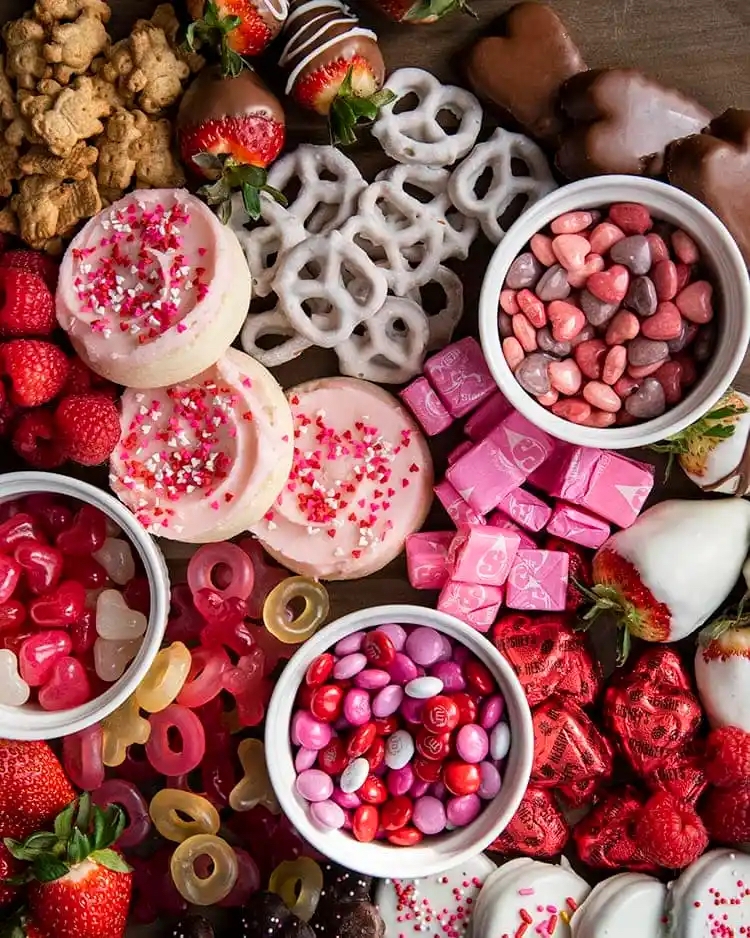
(84, 599)
(615, 312)
(399, 741)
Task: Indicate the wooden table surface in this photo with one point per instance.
(700, 46)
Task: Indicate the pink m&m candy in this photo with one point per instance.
(403, 669)
(387, 701)
(372, 679)
(463, 810)
(309, 732)
(349, 665)
(328, 815)
(429, 815)
(491, 711)
(472, 743)
(450, 673)
(357, 706)
(490, 781)
(314, 785)
(424, 646)
(396, 633)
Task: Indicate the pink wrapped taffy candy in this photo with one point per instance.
(525, 509)
(487, 417)
(538, 580)
(482, 554)
(427, 559)
(575, 524)
(423, 402)
(460, 376)
(459, 511)
(472, 603)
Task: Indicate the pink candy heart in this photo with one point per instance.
(611, 285)
(665, 324)
(604, 236)
(695, 302)
(67, 687)
(577, 278)
(571, 250)
(567, 320)
(39, 654)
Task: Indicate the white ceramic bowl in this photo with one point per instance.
(30, 721)
(730, 279)
(435, 854)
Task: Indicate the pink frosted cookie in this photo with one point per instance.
(204, 459)
(361, 482)
(154, 289)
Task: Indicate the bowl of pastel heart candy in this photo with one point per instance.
(84, 599)
(399, 741)
(615, 312)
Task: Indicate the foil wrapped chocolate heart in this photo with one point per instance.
(548, 657)
(682, 775)
(567, 746)
(584, 792)
(537, 829)
(651, 712)
(605, 837)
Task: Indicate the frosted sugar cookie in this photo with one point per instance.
(622, 906)
(711, 898)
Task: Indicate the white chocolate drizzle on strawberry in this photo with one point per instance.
(279, 9)
(307, 28)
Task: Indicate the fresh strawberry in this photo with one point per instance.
(652, 580)
(88, 427)
(579, 570)
(422, 11)
(726, 814)
(670, 832)
(33, 787)
(9, 867)
(236, 28)
(26, 305)
(34, 262)
(728, 756)
(79, 886)
(36, 440)
(722, 670)
(36, 369)
(229, 130)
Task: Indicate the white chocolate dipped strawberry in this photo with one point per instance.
(714, 452)
(662, 578)
(722, 671)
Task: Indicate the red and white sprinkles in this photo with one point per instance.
(711, 898)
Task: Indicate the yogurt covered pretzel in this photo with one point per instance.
(416, 136)
(272, 323)
(498, 154)
(443, 323)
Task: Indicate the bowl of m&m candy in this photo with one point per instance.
(399, 741)
(84, 599)
(615, 312)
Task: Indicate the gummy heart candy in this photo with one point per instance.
(20, 527)
(605, 837)
(185, 622)
(42, 565)
(137, 595)
(116, 556)
(217, 609)
(14, 639)
(267, 576)
(82, 758)
(60, 608)
(83, 632)
(567, 745)
(115, 621)
(10, 574)
(39, 654)
(12, 615)
(53, 516)
(537, 829)
(112, 656)
(67, 687)
(86, 534)
(14, 691)
(86, 571)
(250, 689)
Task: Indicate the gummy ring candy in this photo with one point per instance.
(165, 678)
(164, 809)
(128, 797)
(220, 881)
(188, 754)
(203, 564)
(299, 883)
(298, 629)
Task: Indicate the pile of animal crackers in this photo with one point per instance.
(82, 117)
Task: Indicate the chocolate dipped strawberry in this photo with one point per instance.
(229, 130)
(237, 28)
(420, 12)
(335, 66)
(662, 578)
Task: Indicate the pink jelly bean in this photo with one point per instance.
(604, 236)
(67, 687)
(547, 400)
(82, 758)
(38, 655)
(429, 815)
(314, 785)
(127, 796)
(685, 248)
(601, 395)
(472, 743)
(573, 409)
(328, 815)
(572, 223)
(664, 276)
(357, 706)
(463, 810)
(346, 799)
(372, 679)
(349, 644)
(567, 320)
(565, 376)
(490, 781)
(513, 352)
(450, 674)
(491, 711)
(187, 755)
(524, 333)
(614, 364)
(396, 633)
(402, 669)
(305, 759)
(346, 667)
(205, 679)
(622, 327)
(577, 278)
(424, 646)
(400, 781)
(309, 732)
(541, 247)
(508, 302)
(210, 561)
(532, 308)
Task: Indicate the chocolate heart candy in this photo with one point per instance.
(646, 351)
(641, 296)
(605, 837)
(523, 272)
(553, 284)
(552, 346)
(533, 375)
(634, 253)
(350, 920)
(537, 829)
(596, 311)
(648, 401)
(662, 665)
(521, 72)
(715, 168)
(682, 775)
(624, 123)
(567, 745)
(342, 885)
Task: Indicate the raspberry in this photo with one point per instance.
(34, 262)
(669, 832)
(26, 305)
(82, 380)
(37, 370)
(728, 756)
(34, 439)
(726, 814)
(88, 426)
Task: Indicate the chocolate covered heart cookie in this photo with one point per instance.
(715, 167)
(623, 122)
(522, 70)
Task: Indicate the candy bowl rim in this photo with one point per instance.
(30, 722)
(436, 854)
(730, 276)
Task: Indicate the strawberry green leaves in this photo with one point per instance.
(427, 11)
(214, 29)
(232, 176)
(348, 110)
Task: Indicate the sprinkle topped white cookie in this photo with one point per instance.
(711, 899)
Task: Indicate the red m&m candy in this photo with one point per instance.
(478, 675)
(379, 649)
(373, 790)
(365, 823)
(386, 726)
(375, 755)
(326, 702)
(426, 770)
(361, 740)
(333, 757)
(319, 670)
(406, 837)
(396, 813)
(461, 778)
(467, 708)
(433, 746)
(440, 714)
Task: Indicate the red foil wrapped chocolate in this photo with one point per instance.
(651, 712)
(682, 775)
(567, 746)
(584, 792)
(605, 837)
(537, 829)
(548, 657)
